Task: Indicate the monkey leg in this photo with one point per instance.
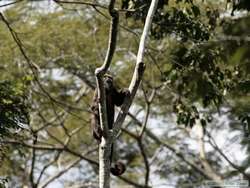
(117, 168)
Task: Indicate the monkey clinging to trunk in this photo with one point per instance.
(113, 98)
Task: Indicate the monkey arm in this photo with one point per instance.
(119, 96)
(95, 126)
(95, 120)
(118, 167)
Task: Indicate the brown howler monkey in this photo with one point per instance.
(113, 98)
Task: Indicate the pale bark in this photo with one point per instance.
(207, 167)
(138, 71)
(106, 142)
(107, 139)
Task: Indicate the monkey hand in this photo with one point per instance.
(126, 92)
(97, 134)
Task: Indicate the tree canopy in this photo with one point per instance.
(189, 122)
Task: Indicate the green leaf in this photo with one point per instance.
(195, 10)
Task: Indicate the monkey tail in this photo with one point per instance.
(118, 168)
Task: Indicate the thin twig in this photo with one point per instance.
(81, 3)
(216, 147)
(33, 161)
(171, 148)
(47, 166)
(12, 3)
(50, 148)
(62, 172)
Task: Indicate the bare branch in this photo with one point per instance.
(105, 145)
(216, 147)
(145, 158)
(56, 176)
(207, 167)
(11, 3)
(47, 166)
(148, 104)
(139, 69)
(81, 3)
(71, 165)
(50, 148)
(172, 149)
(112, 40)
(132, 182)
(33, 161)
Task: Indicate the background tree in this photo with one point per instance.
(189, 117)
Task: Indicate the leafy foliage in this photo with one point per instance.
(13, 107)
(3, 183)
(171, 20)
(240, 4)
(182, 24)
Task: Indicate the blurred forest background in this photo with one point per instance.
(194, 98)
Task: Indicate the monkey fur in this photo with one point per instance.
(113, 98)
(118, 168)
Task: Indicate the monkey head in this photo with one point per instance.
(108, 81)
